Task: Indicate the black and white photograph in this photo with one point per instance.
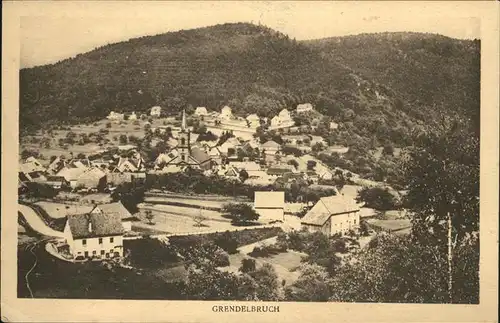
(270, 152)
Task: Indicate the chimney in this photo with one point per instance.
(90, 226)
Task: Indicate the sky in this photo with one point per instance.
(49, 33)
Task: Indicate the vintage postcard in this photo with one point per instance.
(249, 161)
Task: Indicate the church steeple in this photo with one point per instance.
(184, 145)
(183, 124)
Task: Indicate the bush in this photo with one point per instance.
(267, 250)
(227, 242)
(247, 265)
(240, 212)
(220, 258)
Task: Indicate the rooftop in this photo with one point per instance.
(102, 225)
(265, 199)
(328, 206)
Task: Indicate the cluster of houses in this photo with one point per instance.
(84, 174)
(98, 231)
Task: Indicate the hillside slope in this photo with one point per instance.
(431, 73)
(372, 85)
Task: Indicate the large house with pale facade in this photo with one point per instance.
(270, 205)
(95, 235)
(226, 113)
(201, 112)
(282, 120)
(332, 215)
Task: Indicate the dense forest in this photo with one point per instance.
(377, 86)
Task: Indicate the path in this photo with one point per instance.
(30, 248)
(36, 223)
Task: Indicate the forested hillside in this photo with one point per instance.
(376, 86)
(429, 73)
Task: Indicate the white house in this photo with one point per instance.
(332, 215)
(226, 113)
(201, 111)
(304, 107)
(275, 121)
(334, 125)
(132, 116)
(253, 120)
(115, 116)
(270, 147)
(94, 235)
(270, 205)
(283, 119)
(91, 178)
(155, 111)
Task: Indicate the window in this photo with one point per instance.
(111, 239)
(86, 254)
(94, 253)
(102, 252)
(84, 242)
(183, 141)
(111, 251)
(183, 158)
(100, 240)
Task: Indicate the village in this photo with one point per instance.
(87, 207)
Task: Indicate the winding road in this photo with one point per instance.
(37, 224)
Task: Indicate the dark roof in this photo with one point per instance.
(103, 225)
(199, 155)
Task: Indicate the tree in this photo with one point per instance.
(311, 286)
(199, 219)
(443, 191)
(311, 164)
(388, 150)
(123, 139)
(294, 163)
(149, 216)
(378, 198)
(317, 147)
(267, 282)
(397, 269)
(247, 265)
(108, 124)
(240, 212)
(364, 228)
(243, 175)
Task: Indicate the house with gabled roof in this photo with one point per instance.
(253, 120)
(226, 113)
(155, 111)
(270, 147)
(117, 208)
(332, 215)
(270, 205)
(94, 235)
(201, 111)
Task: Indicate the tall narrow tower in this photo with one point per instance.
(184, 147)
